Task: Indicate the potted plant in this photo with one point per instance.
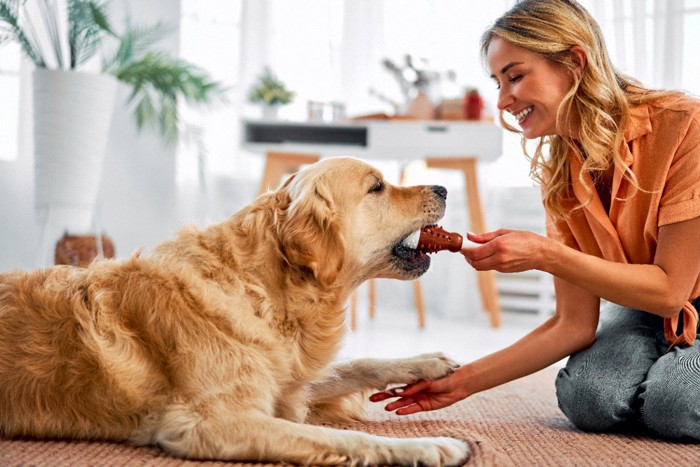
(271, 93)
(73, 108)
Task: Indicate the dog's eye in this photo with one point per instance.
(377, 187)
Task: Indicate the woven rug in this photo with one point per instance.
(517, 424)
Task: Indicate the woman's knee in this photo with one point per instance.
(670, 405)
(593, 403)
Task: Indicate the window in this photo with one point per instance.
(9, 96)
(210, 39)
(653, 41)
(691, 28)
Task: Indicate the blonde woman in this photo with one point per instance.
(621, 187)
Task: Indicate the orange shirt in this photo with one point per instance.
(663, 151)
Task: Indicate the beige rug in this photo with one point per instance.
(517, 424)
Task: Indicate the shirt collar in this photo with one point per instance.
(639, 122)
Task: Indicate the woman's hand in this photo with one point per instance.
(506, 250)
(423, 395)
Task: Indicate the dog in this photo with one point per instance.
(219, 344)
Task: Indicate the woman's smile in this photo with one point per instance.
(522, 115)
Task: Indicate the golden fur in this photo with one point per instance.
(218, 344)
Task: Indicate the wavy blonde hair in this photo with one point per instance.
(599, 98)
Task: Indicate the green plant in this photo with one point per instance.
(270, 90)
(157, 80)
(83, 35)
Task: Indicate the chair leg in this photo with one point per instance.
(372, 298)
(418, 299)
(353, 311)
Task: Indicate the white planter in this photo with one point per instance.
(72, 117)
(270, 111)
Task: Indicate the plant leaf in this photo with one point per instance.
(87, 23)
(158, 82)
(9, 19)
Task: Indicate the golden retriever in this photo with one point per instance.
(218, 344)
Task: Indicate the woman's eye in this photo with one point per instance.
(515, 78)
(377, 188)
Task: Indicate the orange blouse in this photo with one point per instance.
(663, 151)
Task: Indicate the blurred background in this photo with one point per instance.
(337, 59)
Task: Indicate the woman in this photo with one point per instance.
(621, 188)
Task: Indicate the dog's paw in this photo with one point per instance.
(430, 452)
(453, 452)
(426, 366)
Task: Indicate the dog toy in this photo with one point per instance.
(433, 238)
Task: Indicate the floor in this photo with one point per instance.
(395, 333)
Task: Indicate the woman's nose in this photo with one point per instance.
(505, 99)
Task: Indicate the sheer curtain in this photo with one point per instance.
(656, 41)
(9, 96)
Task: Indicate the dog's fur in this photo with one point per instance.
(218, 344)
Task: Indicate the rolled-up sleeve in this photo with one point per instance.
(681, 197)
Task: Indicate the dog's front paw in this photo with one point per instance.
(430, 452)
(426, 366)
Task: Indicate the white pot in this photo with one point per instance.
(270, 111)
(72, 117)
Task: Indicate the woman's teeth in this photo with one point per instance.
(523, 113)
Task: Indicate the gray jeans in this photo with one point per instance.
(627, 381)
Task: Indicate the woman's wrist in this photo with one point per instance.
(549, 255)
(463, 381)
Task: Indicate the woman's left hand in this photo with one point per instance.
(506, 250)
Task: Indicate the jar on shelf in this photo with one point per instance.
(473, 105)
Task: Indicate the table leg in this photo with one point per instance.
(485, 279)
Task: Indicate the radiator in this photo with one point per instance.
(521, 208)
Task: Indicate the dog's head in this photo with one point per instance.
(343, 219)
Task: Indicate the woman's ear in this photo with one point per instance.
(578, 58)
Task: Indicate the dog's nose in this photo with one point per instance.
(441, 191)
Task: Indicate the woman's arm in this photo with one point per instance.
(660, 288)
(572, 328)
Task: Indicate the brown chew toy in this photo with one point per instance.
(434, 238)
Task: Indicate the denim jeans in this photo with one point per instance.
(627, 381)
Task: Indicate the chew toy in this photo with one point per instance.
(433, 238)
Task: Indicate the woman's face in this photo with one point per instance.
(530, 87)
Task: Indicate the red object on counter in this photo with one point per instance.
(473, 105)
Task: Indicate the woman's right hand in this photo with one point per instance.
(506, 250)
(423, 395)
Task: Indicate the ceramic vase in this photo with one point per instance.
(72, 118)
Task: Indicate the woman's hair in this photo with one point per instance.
(599, 99)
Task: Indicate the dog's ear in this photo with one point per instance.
(309, 229)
